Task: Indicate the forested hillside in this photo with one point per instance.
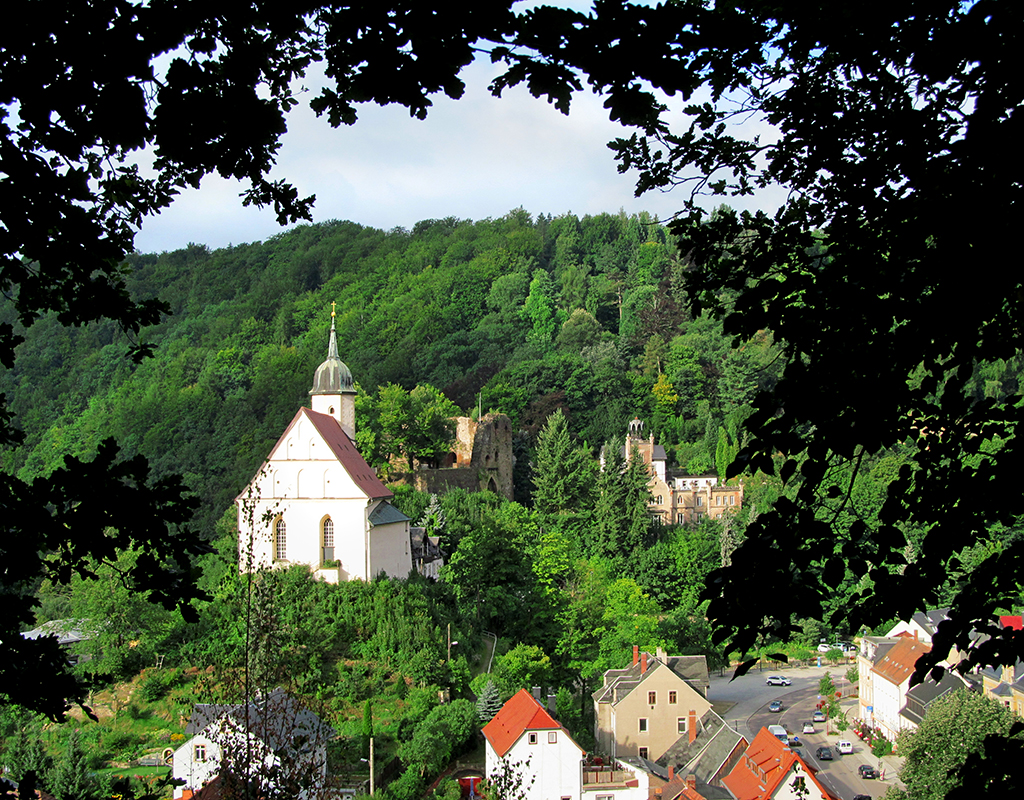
(518, 315)
(569, 326)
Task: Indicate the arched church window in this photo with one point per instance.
(328, 539)
(280, 540)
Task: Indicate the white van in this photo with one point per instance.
(844, 747)
(779, 733)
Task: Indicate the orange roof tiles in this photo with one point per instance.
(521, 713)
(898, 663)
(768, 756)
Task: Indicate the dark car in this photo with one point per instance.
(824, 753)
(862, 797)
(775, 706)
(867, 772)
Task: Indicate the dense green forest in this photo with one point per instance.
(569, 326)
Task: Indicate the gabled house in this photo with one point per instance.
(524, 743)
(770, 770)
(271, 742)
(890, 681)
(644, 709)
(1005, 685)
(316, 501)
(921, 696)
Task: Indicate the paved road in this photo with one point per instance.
(748, 713)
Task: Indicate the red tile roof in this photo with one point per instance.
(898, 663)
(1017, 623)
(769, 755)
(521, 713)
(343, 449)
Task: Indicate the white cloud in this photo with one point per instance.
(473, 158)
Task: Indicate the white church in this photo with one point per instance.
(316, 501)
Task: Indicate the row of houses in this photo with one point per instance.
(528, 748)
(887, 701)
(658, 739)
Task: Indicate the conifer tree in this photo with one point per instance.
(70, 778)
(637, 508)
(489, 703)
(608, 530)
(563, 472)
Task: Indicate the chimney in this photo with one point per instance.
(691, 726)
(662, 653)
(552, 704)
(536, 693)
(691, 781)
(636, 654)
(643, 663)
(671, 771)
(915, 634)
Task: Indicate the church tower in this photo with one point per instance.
(334, 391)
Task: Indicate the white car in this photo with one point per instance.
(844, 747)
(808, 727)
(777, 680)
(824, 648)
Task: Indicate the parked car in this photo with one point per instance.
(819, 716)
(808, 727)
(824, 648)
(867, 772)
(824, 753)
(862, 797)
(777, 680)
(844, 747)
(775, 706)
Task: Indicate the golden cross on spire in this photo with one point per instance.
(333, 304)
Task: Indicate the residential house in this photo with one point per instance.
(708, 755)
(921, 696)
(679, 499)
(269, 742)
(770, 770)
(1005, 685)
(316, 501)
(644, 709)
(889, 683)
(525, 744)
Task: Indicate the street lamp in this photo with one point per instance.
(370, 763)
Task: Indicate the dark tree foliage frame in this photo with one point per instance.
(897, 123)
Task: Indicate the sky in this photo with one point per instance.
(474, 158)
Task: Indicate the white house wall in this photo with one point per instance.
(195, 773)
(556, 768)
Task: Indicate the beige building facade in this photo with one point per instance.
(680, 499)
(646, 708)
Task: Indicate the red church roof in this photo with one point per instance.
(343, 449)
(521, 713)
